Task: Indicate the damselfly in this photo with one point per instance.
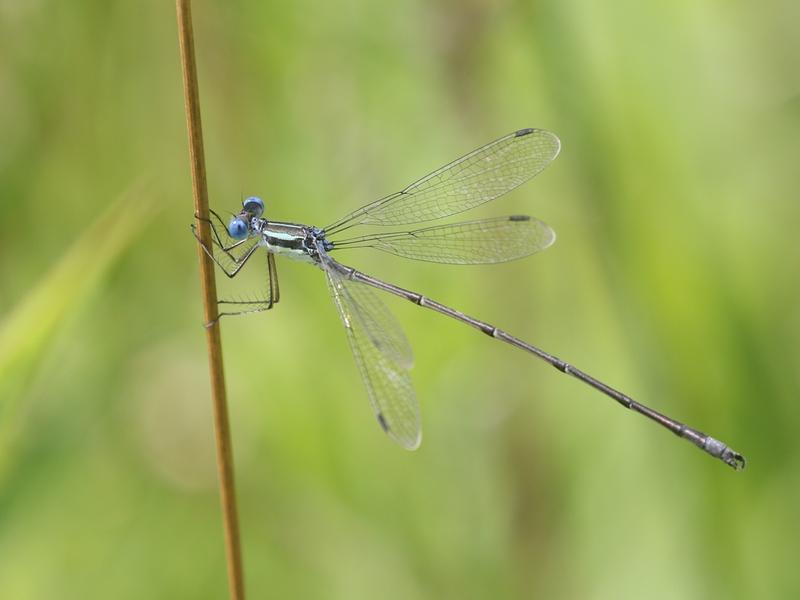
(380, 348)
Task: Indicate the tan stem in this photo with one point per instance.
(209, 291)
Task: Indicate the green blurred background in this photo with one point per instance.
(675, 277)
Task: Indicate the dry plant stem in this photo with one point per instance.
(209, 290)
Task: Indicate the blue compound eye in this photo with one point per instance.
(237, 228)
(254, 206)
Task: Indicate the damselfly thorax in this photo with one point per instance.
(286, 239)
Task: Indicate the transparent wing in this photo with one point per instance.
(480, 176)
(470, 243)
(383, 357)
(380, 326)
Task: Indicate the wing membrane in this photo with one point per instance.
(470, 243)
(383, 357)
(480, 176)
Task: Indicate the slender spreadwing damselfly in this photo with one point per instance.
(381, 350)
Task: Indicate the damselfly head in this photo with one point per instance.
(253, 206)
(239, 227)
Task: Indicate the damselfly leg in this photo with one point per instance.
(217, 240)
(231, 264)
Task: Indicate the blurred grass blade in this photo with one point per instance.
(28, 329)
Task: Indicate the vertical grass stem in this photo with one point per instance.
(209, 291)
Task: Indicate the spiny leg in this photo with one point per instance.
(256, 305)
(222, 246)
(217, 240)
(274, 287)
(238, 262)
